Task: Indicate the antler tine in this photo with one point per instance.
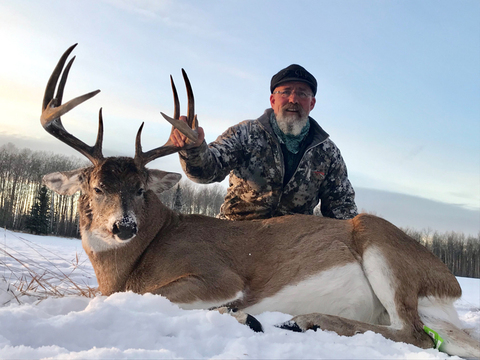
(52, 82)
(191, 101)
(182, 127)
(176, 109)
(141, 158)
(97, 148)
(185, 129)
(52, 110)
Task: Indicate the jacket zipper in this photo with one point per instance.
(282, 162)
(308, 149)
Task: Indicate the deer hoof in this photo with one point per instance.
(302, 326)
(253, 323)
(242, 318)
(290, 325)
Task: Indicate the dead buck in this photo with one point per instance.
(347, 276)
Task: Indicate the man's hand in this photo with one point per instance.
(180, 140)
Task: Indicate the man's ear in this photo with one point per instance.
(312, 103)
(272, 100)
(159, 181)
(64, 182)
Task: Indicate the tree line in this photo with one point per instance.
(459, 252)
(21, 172)
(26, 205)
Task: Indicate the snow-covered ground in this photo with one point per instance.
(131, 326)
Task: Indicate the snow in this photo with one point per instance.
(132, 326)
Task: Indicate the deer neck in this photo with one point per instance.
(114, 265)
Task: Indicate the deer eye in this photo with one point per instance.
(97, 190)
(140, 191)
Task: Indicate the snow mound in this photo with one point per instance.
(128, 325)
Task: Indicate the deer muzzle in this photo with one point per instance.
(125, 228)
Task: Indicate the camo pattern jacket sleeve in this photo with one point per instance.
(251, 155)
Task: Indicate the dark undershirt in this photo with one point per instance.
(292, 160)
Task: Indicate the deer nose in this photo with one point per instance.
(125, 229)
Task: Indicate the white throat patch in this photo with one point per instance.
(99, 241)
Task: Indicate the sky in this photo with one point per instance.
(398, 81)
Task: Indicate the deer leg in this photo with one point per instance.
(440, 315)
(233, 308)
(202, 296)
(191, 291)
(405, 324)
(347, 327)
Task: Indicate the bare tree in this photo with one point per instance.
(459, 252)
(21, 172)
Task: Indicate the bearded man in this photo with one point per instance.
(281, 163)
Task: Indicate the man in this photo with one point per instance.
(281, 163)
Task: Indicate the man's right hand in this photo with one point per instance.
(180, 140)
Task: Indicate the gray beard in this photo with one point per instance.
(291, 124)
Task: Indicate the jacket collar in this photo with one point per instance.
(319, 134)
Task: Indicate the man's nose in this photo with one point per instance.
(293, 98)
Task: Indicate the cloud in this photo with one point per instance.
(418, 213)
(147, 8)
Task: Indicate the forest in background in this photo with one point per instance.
(27, 206)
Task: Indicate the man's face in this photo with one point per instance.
(292, 102)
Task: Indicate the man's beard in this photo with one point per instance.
(292, 123)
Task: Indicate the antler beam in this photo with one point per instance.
(188, 129)
(52, 110)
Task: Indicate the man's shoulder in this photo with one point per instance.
(319, 135)
(326, 147)
(241, 127)
(263, 119)
(241, 132)
(329, 144)
(249, 124)
(330, 149)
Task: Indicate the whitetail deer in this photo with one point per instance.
(348, 276)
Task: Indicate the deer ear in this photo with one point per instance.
(65, 182)
(159, 181)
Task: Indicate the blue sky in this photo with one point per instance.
(399, 81)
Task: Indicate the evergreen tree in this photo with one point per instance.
(38, 220)
(177, 199)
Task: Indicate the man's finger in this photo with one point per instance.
(179, 138)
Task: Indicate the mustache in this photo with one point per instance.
(295, 107)
(300, 112)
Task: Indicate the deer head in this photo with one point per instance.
(113, 189)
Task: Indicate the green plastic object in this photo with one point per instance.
(437, 339)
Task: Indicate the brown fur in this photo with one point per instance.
(218, 258)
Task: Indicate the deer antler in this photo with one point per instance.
(52, 110)
(191, 117)
(188, 129)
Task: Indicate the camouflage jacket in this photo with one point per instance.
(251, 153)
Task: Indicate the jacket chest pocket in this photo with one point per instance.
(318, 174)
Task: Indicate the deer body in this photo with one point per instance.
(347, 276)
